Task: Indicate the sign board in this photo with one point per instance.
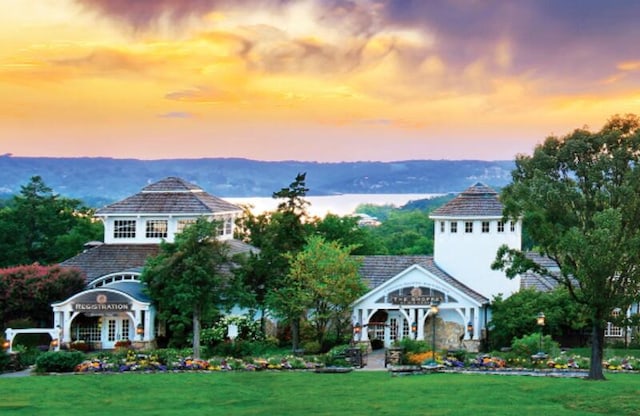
(415, 298)
(101, 302)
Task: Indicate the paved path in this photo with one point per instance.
(22, 373)
(375, 361)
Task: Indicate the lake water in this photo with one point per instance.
(344, 204)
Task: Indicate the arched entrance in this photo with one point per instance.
(102, 317)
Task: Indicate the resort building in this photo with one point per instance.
(442, 298)
(114, 308)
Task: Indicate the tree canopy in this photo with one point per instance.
(190, 277)
(26, 292)
(579, 197)
(38, 226)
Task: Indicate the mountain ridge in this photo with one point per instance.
(101, 180)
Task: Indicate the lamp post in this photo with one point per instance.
(434, 312)
(356, 331)
(140, 330)
(414, 329)
(540, 321)
(470, 329)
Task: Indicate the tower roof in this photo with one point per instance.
(478, 200)
(170, 196)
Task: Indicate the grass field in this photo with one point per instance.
(305, 393)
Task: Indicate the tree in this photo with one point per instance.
(38, 226)
(406, 232)
(190, 276)
(29, 291)
(323, 281)
(277, 235)
(579, 197)
(347, 232)
(514, 317)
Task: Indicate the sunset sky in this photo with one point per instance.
(324, 80)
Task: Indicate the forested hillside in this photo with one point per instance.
(98, 181)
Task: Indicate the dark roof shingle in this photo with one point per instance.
(376, 270)
(478, 200)
(170, 196)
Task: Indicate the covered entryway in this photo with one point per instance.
(421, 304)
(103, 316)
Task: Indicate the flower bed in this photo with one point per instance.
(152, 363)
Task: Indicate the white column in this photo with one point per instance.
(364, 330)
(420, 322)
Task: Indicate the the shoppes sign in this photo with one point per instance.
(415, 298)
(98, 302)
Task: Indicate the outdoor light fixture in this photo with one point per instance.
(356, 330)
(470, 329)
(140, 330)
(6, 345)
(414, 329)
(540, 320)
(434, 312)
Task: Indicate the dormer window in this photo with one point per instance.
(124, 229)
(156, 229)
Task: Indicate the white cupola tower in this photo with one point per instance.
(468, 232)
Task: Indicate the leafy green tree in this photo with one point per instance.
(347, 232)
(515, 316)
(405, 233)
(29, 291)
(579, 197)
(38, 226)
(323, 281)
(190, 277)
(277, 234)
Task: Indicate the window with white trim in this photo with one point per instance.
(405, 328)
(393, 325)
(124, 229)
(468, 226)
(442, 226)
(485, 226)
(512, 226)
(157, 229)
(182, 224)
(500, 226)
(612, 330)
(228, 226)
(454, 227)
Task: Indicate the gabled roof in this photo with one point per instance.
(531, 280)
(170, 196)
(111, 258)
(376, 270)
(478, 200)
(127, 258)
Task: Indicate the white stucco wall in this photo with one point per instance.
(468, 256)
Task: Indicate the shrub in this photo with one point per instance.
(412, 346)
(311, 347)
(59, 361)
(5, 359)
(529, 345)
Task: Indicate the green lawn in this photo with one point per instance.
(304, 393)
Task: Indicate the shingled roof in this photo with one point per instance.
(478, 200)
(170, 196)
(376, 270)
(105, 259)
(111, 258)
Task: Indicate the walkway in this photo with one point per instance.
(375, 361)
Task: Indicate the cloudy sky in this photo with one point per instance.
(325, 80)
